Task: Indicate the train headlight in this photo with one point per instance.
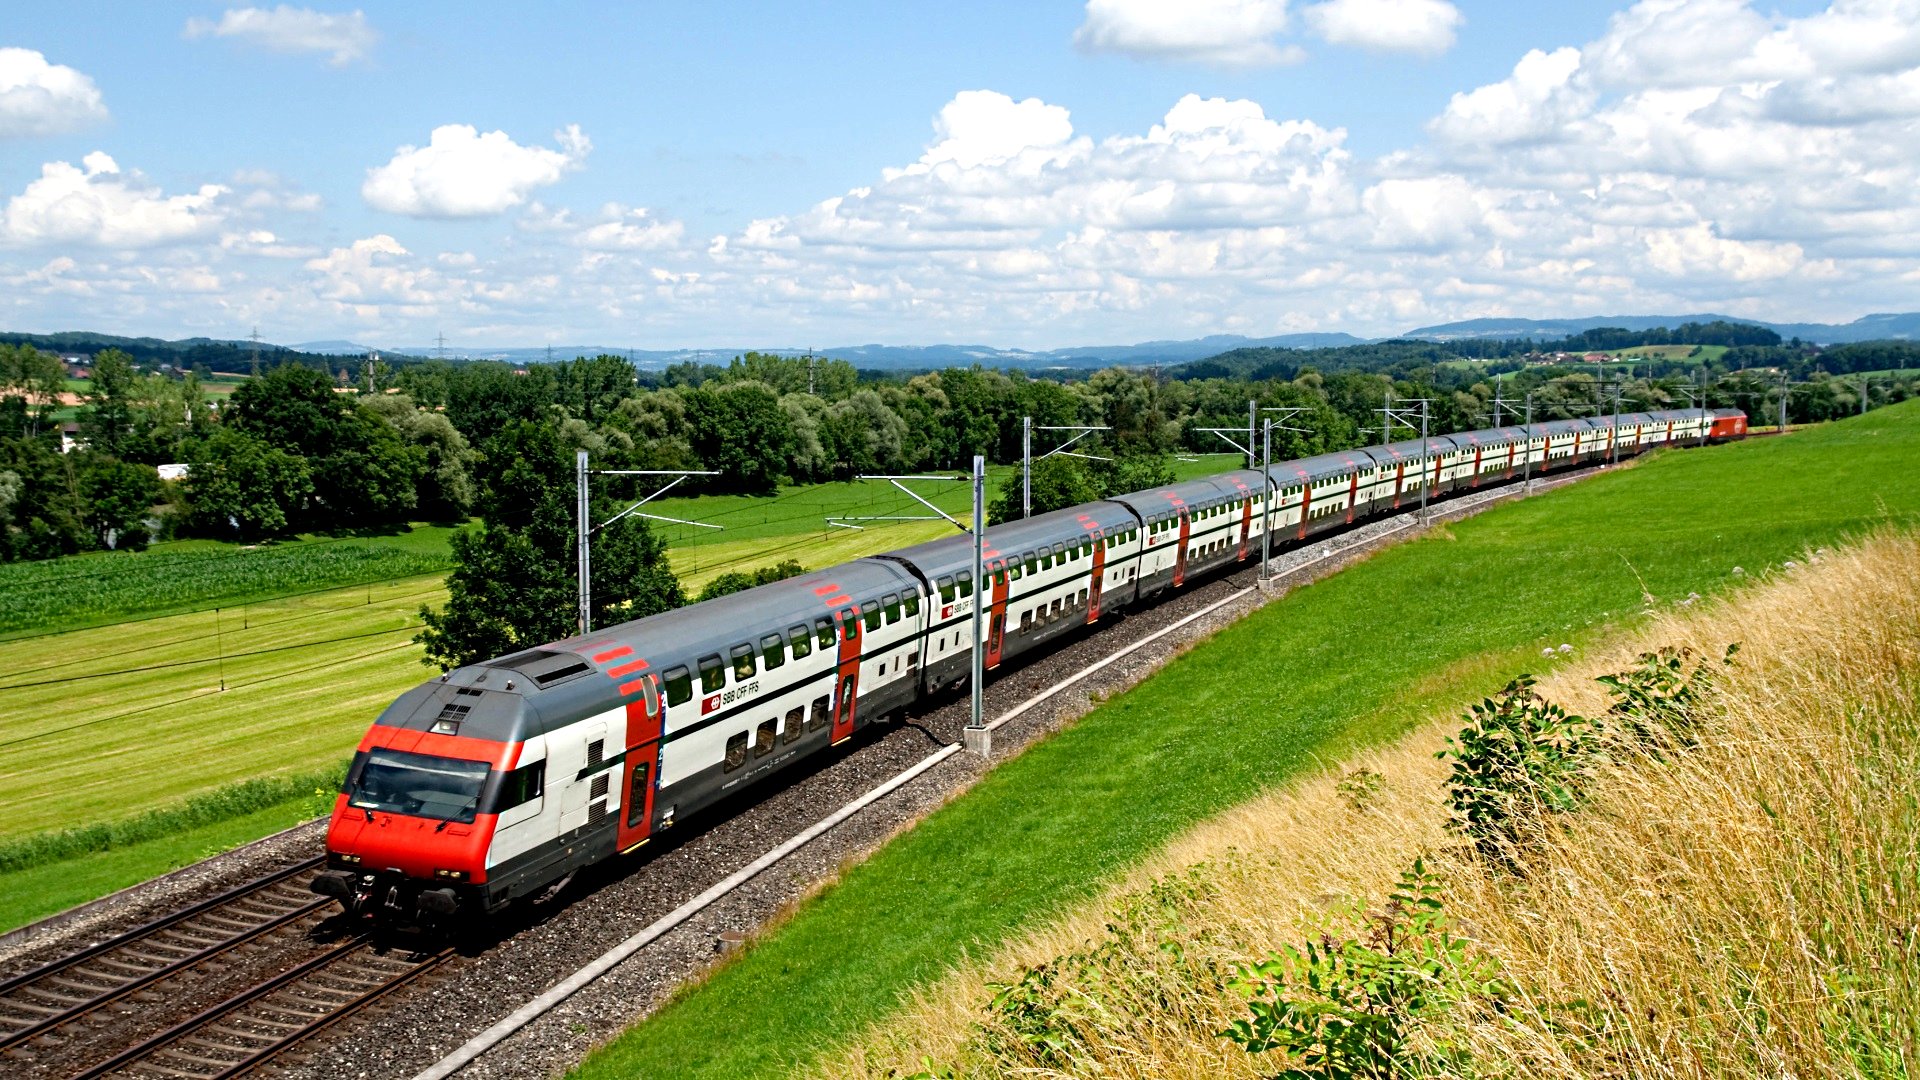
(350, 860)
(451, 875)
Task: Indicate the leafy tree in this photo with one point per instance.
(369, 477)
(740, 430)
(734, 581)
(241, 486)
(35, 379)
(119, 497)
(1135, 472)
(513, 582)
(292, 407)
(107, 423)
(1058, 482)
(44, 514)
(443, 484)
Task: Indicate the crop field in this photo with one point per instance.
(1349, 661)
(110, 586)
(120, 719)
(1674, 352)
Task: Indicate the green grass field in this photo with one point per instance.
(1417, 629)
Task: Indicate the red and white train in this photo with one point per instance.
(498, 780)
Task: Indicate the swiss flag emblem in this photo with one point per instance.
(946, 611)
(709, 704)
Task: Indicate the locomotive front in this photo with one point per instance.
(413, 823)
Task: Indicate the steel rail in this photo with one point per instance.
(247, 1051)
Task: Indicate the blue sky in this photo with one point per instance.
(1017, 174)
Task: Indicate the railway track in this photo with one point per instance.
(259, 1024)
(51, 999)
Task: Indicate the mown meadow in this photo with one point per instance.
(1350, 661)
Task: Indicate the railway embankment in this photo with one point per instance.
(1354, 661)
(1695, 867)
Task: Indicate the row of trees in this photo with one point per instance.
(295, 451)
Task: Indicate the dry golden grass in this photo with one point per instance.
(1750, 908)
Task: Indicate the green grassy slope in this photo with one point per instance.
(1356, 657)
(120, 719)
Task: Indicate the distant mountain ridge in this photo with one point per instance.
(1866, 328)
(927, 356)
(1888, 326)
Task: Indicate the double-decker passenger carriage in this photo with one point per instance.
(497, 781)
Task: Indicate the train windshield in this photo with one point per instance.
(419, 785)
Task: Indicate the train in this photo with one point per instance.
(496, 782)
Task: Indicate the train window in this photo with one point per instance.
(1033, 563)
(679, 685)
(823, 630)
(792, 727)
(743, 666)
(871, 613)
(1000, 577)
(1013, 570)
(1083, 596)
(713, 674)
(1046, 560)
(850, 624)
(763, 738)
(1026, 621)
(945, 581)
(912, 601)
(891, 602)
(523, 785)
(817, 717)
(736, 752)
(637, 792)
(801, 641)
(965, 582)
(773, 651)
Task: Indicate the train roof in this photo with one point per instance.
(1321, 466)
(953, 554)
(1155, 503)
(1407, 449)
(1499, 436)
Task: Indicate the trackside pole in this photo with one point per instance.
(1026, 467)
(581, 541)
(1526, 488)
(977, 738)
(1266, 503)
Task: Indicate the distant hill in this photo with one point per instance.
(910, 357)
(1866, 328)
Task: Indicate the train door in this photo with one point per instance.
(1098, 578)
(1180, 550)
(997, 614)
(1306, 505)
(1246, 523)
(642, 769)
(849, 682)
(1353, 495)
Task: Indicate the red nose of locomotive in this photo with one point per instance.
(409, 835)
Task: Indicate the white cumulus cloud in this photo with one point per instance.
(1422, 27)
(39, 98)
(344, 37)
(96, 204)
(1220, 33)
(1534, 103)
(463, 173)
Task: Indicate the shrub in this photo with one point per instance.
(1659, 703)
(1520, 756)
(1350, 1009)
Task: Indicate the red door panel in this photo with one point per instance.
(640, 775)
(997, 614)
(1099, 576)
(1180, 552)
(849, 688)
